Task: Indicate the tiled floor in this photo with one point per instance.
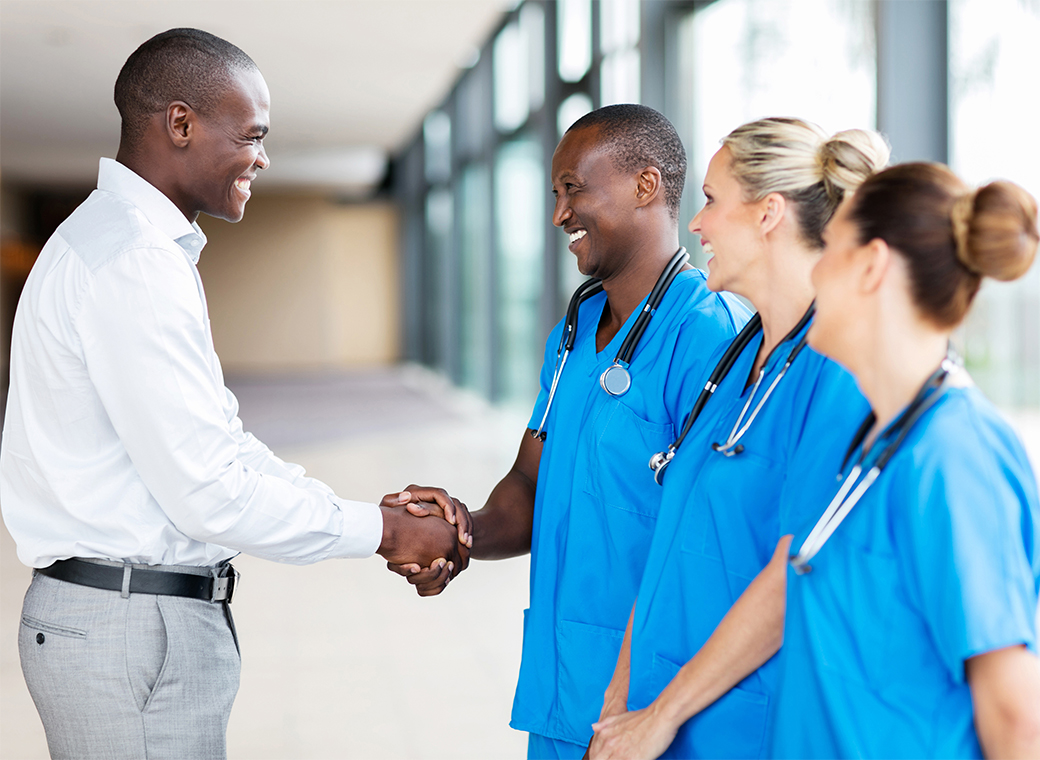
(342, 659)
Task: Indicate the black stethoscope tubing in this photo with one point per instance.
(841, 505)
(615, 379)
(659, 462)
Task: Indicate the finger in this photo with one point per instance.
(417, 508)
(426, 576)
(434, 583)
(405, 570)
(395, 499)
(465, 523)
(438, 496)
(463, 563)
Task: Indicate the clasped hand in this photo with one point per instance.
(438, 512)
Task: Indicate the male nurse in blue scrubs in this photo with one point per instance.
(584, 501)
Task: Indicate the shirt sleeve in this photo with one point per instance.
(253, 453)
(970, 535)
(147, 351)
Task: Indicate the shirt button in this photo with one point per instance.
(40, 638)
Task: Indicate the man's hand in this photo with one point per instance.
(423, 542)
(430, 581)
(451, 509)
(631, 735)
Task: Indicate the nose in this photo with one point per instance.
(262, 160)
(562, 210)
(695, 223)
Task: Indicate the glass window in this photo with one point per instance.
(474, 265)
(520, 189)
(574, 32)
(512, 100)
(994, 60)
(619, 24)
(437, 146)
(436, 268)
(619, 77)
(572, 109)
(746, 59)
(619, 40)
(532, 27)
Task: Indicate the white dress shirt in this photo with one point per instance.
(121, 441)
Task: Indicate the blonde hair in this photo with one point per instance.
(796, 159)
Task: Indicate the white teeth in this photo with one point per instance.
(707, 248)
(577, 235)
(242, 184)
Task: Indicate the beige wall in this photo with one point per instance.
(303, 283)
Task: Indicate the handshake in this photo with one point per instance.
(426, 537)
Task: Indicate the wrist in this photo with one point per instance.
(665, 713)
(479, 531)
(391, 531)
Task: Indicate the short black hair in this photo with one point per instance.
(180, 64)
(637, 136)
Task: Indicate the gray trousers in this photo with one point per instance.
(141, 676)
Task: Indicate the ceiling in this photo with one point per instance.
(350, 80)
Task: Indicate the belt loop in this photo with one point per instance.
(125, 593)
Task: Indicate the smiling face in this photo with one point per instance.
(838, 315)
(728, 226)
(594, 203)
(227, 148)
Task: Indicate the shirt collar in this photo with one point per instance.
(114, 177)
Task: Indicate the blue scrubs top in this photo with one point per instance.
(719, 526)
(596, 502)
(938, 562)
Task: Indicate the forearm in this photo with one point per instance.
(615, 699)
(502, 528)
(1005, 686)
(750, 633)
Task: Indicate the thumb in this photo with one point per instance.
(416, 508)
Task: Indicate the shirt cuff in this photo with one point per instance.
(362, 530)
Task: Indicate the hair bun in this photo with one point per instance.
(995, 229)
(847, 158)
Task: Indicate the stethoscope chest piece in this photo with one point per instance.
(615, 380)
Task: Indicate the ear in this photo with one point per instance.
(180, 123)
(648, 186)
(875, 259)
(773, 209)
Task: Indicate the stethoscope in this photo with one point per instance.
(616, 379)
(843, 502)
(660, 461)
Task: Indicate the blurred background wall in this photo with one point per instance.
(406, 212)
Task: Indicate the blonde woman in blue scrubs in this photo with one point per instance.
(912, 597)
(696, 671)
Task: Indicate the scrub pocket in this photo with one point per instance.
(734, 726)
(588, 655)
(866, 580)
(621, 445)
(744, 491)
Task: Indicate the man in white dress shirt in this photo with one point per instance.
(126, 478)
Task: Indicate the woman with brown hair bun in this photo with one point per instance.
(912, 595)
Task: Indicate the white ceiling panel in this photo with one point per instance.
(347, 77)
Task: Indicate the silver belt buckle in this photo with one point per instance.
(224, 585)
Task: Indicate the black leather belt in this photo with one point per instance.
(218, 587)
